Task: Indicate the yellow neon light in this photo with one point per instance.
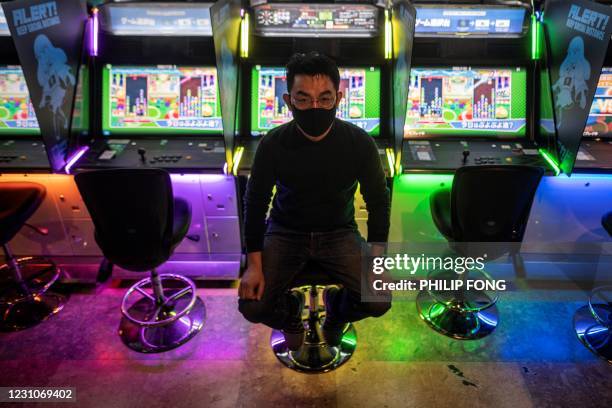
(390, 160)
(244, 36)
(388, 39)
(237, 157)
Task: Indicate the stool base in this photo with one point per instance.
(29, 313)
(31, 276)
(315, 356)
(157, 339)
(454, 320)
(594, 336)
(25, 296)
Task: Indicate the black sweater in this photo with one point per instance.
(315, 183)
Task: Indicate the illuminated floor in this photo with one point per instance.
(399, 361)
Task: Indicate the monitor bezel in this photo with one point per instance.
(608, 135)
(490, 136)
(108, 131)
(10, 133)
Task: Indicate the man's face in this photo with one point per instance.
(312, 91)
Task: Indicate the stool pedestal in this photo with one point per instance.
(461, 314)
(157, 317)
(315, 355)
(593, 323)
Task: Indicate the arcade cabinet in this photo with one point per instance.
(59, 228)
(582, 197)
(157, 102)
(352, 34)
(595, 153)
(470, 93)
(470, 89)
(21, 146)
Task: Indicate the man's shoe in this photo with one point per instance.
(333, 330)
(294, 329)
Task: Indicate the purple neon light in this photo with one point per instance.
(74, 158)
(93, 34)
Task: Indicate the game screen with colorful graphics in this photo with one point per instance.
(599, 123)
(360, 104)
(467, 102)
(16, 111)
(168, 100)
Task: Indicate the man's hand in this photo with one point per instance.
(376, 250)
(252, 283)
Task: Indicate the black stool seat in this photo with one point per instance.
(18, 201)
(138, 222)
(311, 275)
(440, 202)
(486, 203)
(141, 259)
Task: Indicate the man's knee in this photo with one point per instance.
(255, 311)
(376, 309)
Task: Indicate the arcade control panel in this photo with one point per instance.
(445, 155)
(250, 147)
(173, 154)
(594, 156)
(20, 154)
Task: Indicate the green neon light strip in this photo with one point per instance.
(535, 52)
(551, 161)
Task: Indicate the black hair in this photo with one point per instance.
(312, 64)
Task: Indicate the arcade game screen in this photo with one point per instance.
(168, 100)
(16, 110)
(467, 101)
(599, 123)
(360, 104)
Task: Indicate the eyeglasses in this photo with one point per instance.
(305, 102)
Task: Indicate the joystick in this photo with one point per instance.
(466, 153)
(142, 152)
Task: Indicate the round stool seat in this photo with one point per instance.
(313, 276)
(18, 201)
(315, 355)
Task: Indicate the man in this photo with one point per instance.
(315, 161)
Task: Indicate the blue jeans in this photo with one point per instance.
(285, 254)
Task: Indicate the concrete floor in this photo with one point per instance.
(533, 359)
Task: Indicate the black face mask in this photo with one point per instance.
(314, 121)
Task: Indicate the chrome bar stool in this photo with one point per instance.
(486, 211)
(26, 298)
(593, 322)
(138, 224)
(315, 355)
